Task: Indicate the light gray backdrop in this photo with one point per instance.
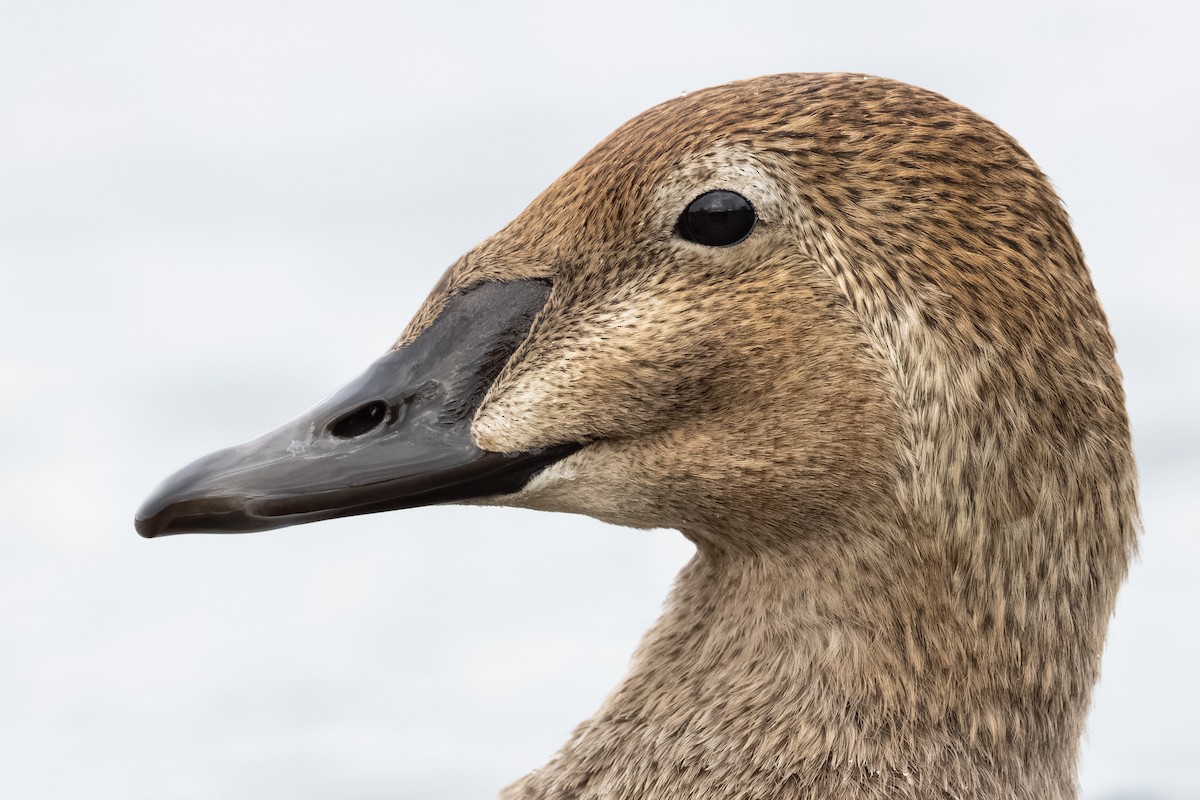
(213, 213)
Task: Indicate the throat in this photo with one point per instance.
(802, 677)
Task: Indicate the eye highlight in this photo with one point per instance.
(717, 219)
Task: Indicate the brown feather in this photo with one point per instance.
(891, 420)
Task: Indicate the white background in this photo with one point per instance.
(212, 214)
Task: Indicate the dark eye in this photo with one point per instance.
(716, 219)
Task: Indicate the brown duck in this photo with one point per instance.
(838, 332)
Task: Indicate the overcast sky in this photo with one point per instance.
(213, 214)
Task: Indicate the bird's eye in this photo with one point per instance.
(716, 219)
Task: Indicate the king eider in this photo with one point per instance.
(838, 332)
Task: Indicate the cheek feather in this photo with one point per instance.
(585, 383)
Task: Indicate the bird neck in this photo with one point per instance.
(824, 674)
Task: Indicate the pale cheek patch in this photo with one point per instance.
(603, 379)
(536, 493)
(596, 482)
(502, 426)
(545, 481)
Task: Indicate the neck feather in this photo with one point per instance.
(840, 670)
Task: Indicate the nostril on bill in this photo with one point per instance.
(361, 420)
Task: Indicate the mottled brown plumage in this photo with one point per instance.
(890, 420)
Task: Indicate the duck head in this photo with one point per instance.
(658, 325)
(797, 303)
(838, 331)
